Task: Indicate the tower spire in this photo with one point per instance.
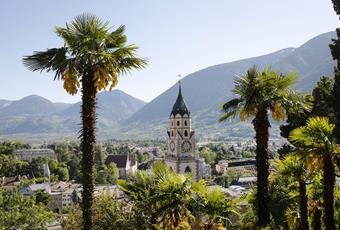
(180, 107)
(179, 88)
(179, 84)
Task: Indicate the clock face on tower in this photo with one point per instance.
(186, 146)
(172, 146)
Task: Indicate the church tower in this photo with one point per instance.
(180, 156)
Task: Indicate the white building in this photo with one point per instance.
(181, 155)
(63, 196)
(124, 164)
(29, 154)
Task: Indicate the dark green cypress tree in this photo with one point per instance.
(335, 50)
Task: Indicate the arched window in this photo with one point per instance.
(172, 133)
(185, 133)
(187, 169)
(185, 123)
(172, 123)
(177, 123)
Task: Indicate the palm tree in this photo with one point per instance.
(163, 196)
(217, 208)
(260, 92)
(317, 139)
(294, 166)
(91, 59)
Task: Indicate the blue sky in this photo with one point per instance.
(179, 37)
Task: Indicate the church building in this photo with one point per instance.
(181, 156)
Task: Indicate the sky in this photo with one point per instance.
(178, 37)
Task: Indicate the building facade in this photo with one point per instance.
(30, 154)
(181, 156)
(125, 165)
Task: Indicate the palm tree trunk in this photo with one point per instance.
(88, 143)
(316, 222)
(328, 192)
(261, 126)
(303, 206)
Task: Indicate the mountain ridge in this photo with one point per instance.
(204, 91)
(37, 115)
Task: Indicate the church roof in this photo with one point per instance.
(121, 160)
(180, 107)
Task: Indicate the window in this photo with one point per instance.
(172, 133)
(177, 123)
(187, 169)
(185, 123)
(185, 133)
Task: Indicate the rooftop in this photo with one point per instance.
(180, 107)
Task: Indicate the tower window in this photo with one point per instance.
(172, 133)
(187, 169)
(172, 123)
(185, 123)
(185, 133)
(177, 123)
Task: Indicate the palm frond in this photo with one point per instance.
(54, 59)
(286, 81)
(316, 136)
(231, 109)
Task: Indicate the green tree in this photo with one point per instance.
(316, 138)
(113, 172)
(53, 165)
(7, 148)
(62, 174)
(35, 168)
(10, 167)
(74, 168)
(294, 167)
(335, 51)
(101, 176)
(108, 214)
(92, 59)
(323, 98)
(41, 197)
(208, 155)
(141, 157)
(283, 199)
(99, 156)
(20, 212)
(259, 93)
(322, 106)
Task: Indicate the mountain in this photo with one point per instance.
(123, 116)
(205, 90)
(115, 105)
(4, 103)
(32, 105)
(37, 115)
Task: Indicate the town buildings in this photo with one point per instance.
(30, 154)
(238, 165)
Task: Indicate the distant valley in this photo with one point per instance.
(121, 116)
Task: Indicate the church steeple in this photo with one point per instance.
(181, 156)
(179, 107)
